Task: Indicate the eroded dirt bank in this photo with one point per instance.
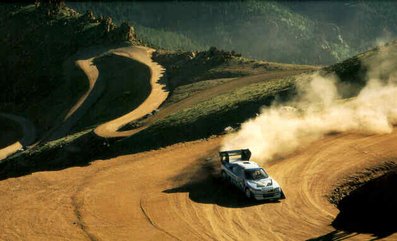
(371, 206)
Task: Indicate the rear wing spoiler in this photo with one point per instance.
(245, 155)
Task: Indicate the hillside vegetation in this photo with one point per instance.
(308, 32)
(209, 117)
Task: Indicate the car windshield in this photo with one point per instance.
(256, 174)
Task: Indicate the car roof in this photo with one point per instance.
(246, 164)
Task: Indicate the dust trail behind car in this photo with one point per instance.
(318, 109)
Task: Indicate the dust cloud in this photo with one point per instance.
(318, 109)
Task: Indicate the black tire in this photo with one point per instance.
(224, 176)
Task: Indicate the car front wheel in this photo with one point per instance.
(248, 193)
(282, 195)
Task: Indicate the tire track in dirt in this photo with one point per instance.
(307, 177)
(149, 219)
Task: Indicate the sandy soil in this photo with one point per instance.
(169, 194)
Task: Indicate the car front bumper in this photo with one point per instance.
(266, 195)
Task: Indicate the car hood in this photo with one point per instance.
(264, 182)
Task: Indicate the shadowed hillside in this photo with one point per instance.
(366, 201)
(37, 43)
(123, 93)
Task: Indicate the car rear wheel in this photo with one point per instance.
(224, 176)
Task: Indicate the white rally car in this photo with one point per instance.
(249, 176)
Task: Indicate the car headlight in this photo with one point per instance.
(253, 186)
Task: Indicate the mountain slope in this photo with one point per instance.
(38, 44)
(257, 29)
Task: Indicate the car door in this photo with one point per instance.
(238, 177)
(233, 176)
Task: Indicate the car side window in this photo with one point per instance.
(235, 170)
(240, 172)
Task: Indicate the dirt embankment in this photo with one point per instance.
(367, 201)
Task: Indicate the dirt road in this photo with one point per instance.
(169, 194)
(209, 93)
(212, 92)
